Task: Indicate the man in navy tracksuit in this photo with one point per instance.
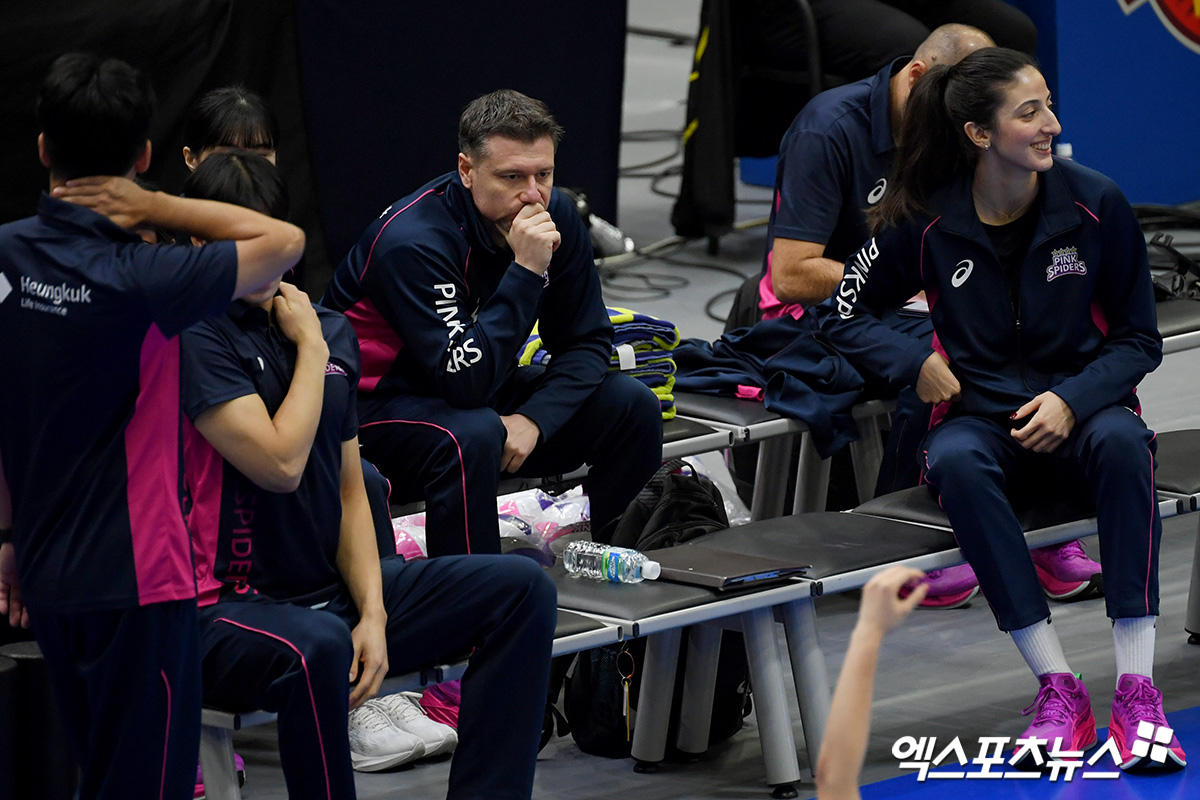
(88, 318)
(1075, 317)
(443, 290)
(293, 594)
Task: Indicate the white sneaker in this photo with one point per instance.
(375, 743)
(405, 712)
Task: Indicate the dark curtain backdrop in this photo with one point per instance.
(187, 48)
(385, 82)
(367, 92)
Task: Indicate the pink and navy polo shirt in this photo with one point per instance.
(89, 412)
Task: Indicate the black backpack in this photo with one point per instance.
(677, 504)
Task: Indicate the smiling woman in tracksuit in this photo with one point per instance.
(1044, 323)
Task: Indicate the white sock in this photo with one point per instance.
(1133, 639)
(1040, 647)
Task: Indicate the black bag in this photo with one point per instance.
(672, 508)
(1173, 273)
(594, 697)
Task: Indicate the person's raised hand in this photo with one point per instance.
(533, 237)
(883, 608)
(296, 317)
(119, 199)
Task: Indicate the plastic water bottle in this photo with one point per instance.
(603, 562)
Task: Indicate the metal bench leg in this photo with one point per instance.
(699, 683)
(770, 702)
(808, 671)
(216, 759)
(812, 478)
(654, 700)
(1192, 622)
(770, 478)
(867, 454)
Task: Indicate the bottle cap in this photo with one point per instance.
(651, 570)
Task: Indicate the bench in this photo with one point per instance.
(845, 549)
(572, 633)
(1176, 477)
(660, 611)
(750, 423)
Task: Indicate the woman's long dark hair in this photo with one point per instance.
(933, 145)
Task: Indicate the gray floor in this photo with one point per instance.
(945, 673)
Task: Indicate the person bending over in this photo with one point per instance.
(1041, 300)
(443, 290)
(294, 597)
(99, 560)
(857, 37)
(833, 165)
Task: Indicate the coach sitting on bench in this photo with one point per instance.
(294, 597)
(443, 290)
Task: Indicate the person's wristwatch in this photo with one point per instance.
(5, 535)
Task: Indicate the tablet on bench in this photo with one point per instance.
(720, 569)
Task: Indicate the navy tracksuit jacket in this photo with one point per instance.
(442, 312)
(1081, 323)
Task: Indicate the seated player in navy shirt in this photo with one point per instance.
(443, 290)
(234, 118)
(100, 562)
(294, 597)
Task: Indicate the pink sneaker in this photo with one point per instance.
(950, 588)
(441, 701)
(1066, 572)
(1139, 727)
(238, 764)
(1063, 711)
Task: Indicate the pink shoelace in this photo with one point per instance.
(1145, 703)
(1072, 549)
(1051, 704)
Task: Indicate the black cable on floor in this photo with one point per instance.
(716, 298)
(674, 37)
(652, 135)
(669, 172)
(700, 265)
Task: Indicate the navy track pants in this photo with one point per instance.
(450, 457)
(294, 660)
(127, 683)
(978, 470)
